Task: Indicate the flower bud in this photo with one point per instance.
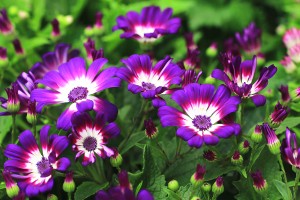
(89, 31)
(218, 187)
(279, 114)
(288, 64)
(195, 198)
(89, 46)
(236, 158)
(244, 147)
(31, 114)
(12, 188)
(5, 25)
(259, 183)
(212, 50)
(272, 139)
(69, 184)
(18, 47)
(150, 129)
(55, 28)
(13, 102)
(210, 155)
(285, 95)
(173, 185)
(52, 197)
(198, 177)
(256, 136)
(116, 159)
(206, 187)
(3, 57)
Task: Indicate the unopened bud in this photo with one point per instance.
(173, 185)
(69, 184)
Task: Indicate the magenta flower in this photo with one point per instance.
(123, 191)
(289, 149)
(17, 46)
(52, 60)
(250, 39)
(259, 183)
(190, 76)
(279, 114)
(55, 28)
(291, 37)
(3, 54)
(203, 108)
(288, 64)
(147, 80)
(91, 51)
(32, 168)
(151, 24)
(238, 77)
(272, 139)
(72, 83)
(89, 138)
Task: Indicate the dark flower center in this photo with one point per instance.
(43, 166)
(90, 143)
(202, 122)
(77, 93)
(148, 86)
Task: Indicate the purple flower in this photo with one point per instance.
(33, 168)
(98, 17)
(190, 76)
(238, 77)
(285, 95)
(192, 61)
(91, 51)
(290, 150)
(89, 138)
(190, 44)
(52, 60)
(13, 102)
(291, 37)
(124, 191)
(203, 108)
(152, 23)
(17, 46)
(150, 129)
(55, 28)
(231, 46)
(279, 114)
(5, 25)
(73, 83)
(250, 39)
(147, 80)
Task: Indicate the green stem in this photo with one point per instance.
(99, 169)
(284, 175)
(178, 149)
(296, 183)
(69, 196)
(13, 136)
(34, 129)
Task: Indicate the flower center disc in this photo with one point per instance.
(78, 93)
(44, 166)
(90, 143)
(202, 122)
(148, 86)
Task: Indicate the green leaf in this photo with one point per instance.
(2, 185)
(288, 122)
(255, 154)
(133, 140)
(152, 180)
(186, 192)
(282, 189)
(172, 195)
(88, 189)
(5, 124)
(38, 13)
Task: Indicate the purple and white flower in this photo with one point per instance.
(5, 25)
(291, 37)
(203, 108)
(33, 168)
(238, 77)
(89, 138)
(147, 80)
(289, 149)
(151, 24)
(72, 83)
(52, 60)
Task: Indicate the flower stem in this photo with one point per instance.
(296, 183)
(13, 136)
(178, 149)
(284, 175)
(69, 196)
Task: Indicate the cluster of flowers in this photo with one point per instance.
(203, 118)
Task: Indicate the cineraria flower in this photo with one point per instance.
(231, 46)
(90, 138)
(3, 54)
(123, 191)
(294, 53)
(291, 37)
(288, 64)
(32, 168)
(12, 188)
(198, 177)
(192, 61)
(91, 51)
(210, 155)
(5, 25)
(150, 128)
(55, 28)
(279, 114)
(203, 109)
(190, 76)
(73, 83)
(259, 183)
(17, 46)
(147, 80)
(272, 139)
(218, 186)
(239, 76)
(250, 39)
(52, 60)
(289, 149)
(285, 95)
(152, 23)
(190, 44)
